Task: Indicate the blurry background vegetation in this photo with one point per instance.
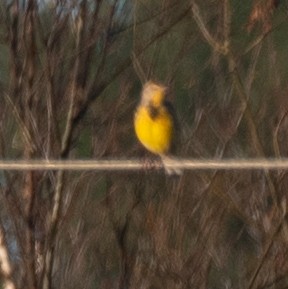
(71, 72)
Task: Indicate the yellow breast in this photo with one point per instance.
(154, 133)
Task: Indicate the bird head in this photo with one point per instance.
(153, 94)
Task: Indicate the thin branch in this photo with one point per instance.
(65, 145)
(22, 127)
(265, 253)
(275, 135)
(227, 24)
(261, 37)
(221, 48)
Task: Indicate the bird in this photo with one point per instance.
(155, 122)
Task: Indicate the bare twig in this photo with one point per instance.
(209, 38)
(275, 135)
(65, 144)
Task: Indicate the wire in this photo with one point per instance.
(136, 164)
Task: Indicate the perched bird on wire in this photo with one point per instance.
(155, 122)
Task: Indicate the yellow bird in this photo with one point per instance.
(154, 121)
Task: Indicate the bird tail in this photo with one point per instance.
(171, 165)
